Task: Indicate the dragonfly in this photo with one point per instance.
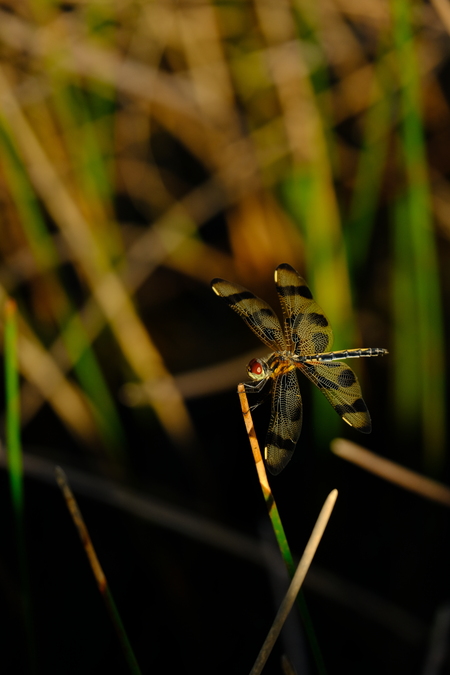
(302, 344)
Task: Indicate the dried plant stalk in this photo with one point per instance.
(297, 580)
(405, 478)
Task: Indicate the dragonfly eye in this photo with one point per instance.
(255, 369)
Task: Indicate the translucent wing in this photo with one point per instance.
(339, 384)
(306, 326)
(257, 314)
(285, 422)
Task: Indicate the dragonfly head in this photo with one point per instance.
(257, 369)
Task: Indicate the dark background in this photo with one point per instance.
(221, 168)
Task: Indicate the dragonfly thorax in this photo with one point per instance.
(275, 364)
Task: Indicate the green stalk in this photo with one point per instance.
(419, 275)
(278, 529)
(15, 469)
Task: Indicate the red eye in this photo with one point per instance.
(255, 367)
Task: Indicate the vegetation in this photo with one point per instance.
(146, 148)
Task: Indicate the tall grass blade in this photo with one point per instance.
(417, 276)
(15, 469)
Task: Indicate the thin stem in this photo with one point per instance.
(405, 478)
(297, 580)
(278, 527)
(97, 570)
(15, 468)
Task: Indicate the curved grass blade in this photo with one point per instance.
(97, 570)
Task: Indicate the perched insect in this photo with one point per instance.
(302, 345)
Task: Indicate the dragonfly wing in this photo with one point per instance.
(285, 422)
(306, 326)
(257, 314)
(339, 384)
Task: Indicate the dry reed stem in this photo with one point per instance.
(297, 580)
(97, 570)
(210, 77)
(65, 397)
(260, 468)
(443, 11)
(286, 666)
(405, 478)
(82, 529)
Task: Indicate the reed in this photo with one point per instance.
(146, 148)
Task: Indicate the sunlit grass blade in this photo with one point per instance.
(15, 468)
(278, 527)
(297, 580)
(405, 478)
(414, 231)
(97, 570)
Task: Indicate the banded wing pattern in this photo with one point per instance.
(285, 421)
(257, 314)
(302, 345)
(339, 384)
(306, 326)
(309, 332)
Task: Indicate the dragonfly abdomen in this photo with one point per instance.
(344, 354)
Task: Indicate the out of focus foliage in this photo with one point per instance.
(149, 146)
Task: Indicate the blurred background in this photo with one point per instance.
(146, 147)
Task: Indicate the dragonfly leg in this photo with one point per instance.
(256, 388)
(253, 387)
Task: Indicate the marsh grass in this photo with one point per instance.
(146, 148)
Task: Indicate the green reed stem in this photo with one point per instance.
(15, 469)
(416, 250)
(279, 530)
